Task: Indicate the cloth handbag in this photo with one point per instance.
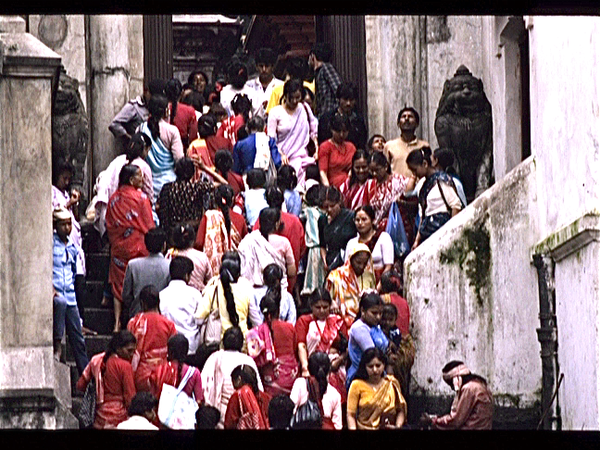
(87, 411)
(308, 415)
(176, 409)
(210, 330)
(395, 228)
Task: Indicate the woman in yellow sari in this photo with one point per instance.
(346, 283)
(375, 400)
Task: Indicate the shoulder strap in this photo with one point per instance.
(443, 196)
(186, 378)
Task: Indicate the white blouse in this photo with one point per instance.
(332, 401)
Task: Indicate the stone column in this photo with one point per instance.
(34, 389)
(116, 62)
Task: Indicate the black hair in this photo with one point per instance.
(184, 236)
(61, 166)
(207, 417)
(269, 306)
(172, 92)
(451, 365)
(281, 410)
(237, 74)
(216, 109)
(155, 239)
(296, 68)
(347, 90)
(266, 56)
(207, 125)
(194, 99)
(322, 51)
(248, 376)
(390, 308)
(319, 366)
(233, 339)
(184, 169)
(232, 255)
(256, 178)
(391, 281)
(241, 105)
(445, 157)
(332, 194)
(368, 210)
(339, 122)
(223, 161)
(136, 145)
(372, 138)
(367, 301)
(228, 274)
(192, 76)
(319, 294)
(313, 195)
(286, 177)
(272, 275)
(411, 109)
(256, 124)
(381, 160)
(143, 402)
(149, 298)
(177, 350)
(359, 154)
(156, 106)
(291, 86)
(224, 202)
(274, 197)
(180, 267)
(118, 340)
(127, 171)
(267, 220)
(306, 91)
(312, 172)
(419, 156)
(367, 357)
(157, 87)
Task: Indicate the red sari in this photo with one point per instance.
(128, 219)
(246, 412)
(114, 389)
(152, 331)
(384, 194)
(357, 194)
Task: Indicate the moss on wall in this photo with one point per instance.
(471, 251)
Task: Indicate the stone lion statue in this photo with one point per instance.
(463, 123)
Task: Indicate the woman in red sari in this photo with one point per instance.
(248, 407)
(357, 190)
(128, 219)
(317, 332)
(273, 346)
(114, 380)
(152, 332)
(173, 370)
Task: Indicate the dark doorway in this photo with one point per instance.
(525, 106)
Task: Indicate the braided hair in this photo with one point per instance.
(224, 201)
(319, 366)
(119, 340)
(156, 106)
(177, 350)
(230, 273)
(269, 306)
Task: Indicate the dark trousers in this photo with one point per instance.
(67, 317)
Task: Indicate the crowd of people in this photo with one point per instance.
(256, 240)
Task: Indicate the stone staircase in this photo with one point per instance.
(95, 316)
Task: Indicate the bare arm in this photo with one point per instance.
(303, 357)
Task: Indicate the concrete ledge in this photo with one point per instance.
(570, 238)
(24, 55)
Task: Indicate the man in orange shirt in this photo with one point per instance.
(398, 149)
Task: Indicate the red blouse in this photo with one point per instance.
(336, 161)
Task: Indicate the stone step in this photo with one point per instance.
(92, 296)
(101, 320)
(93, 345)
(96, 265)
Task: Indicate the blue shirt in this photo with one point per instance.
(244, 152)
(293, 202)
(64, 268)
(360, 338)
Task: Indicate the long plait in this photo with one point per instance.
(227, 278)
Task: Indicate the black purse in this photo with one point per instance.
(308, 415)
(87, 411)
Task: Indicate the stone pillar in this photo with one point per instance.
(116, 62)
(34, 389)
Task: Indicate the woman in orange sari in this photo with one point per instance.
(248, 407)
(128, 219)
(221, 229)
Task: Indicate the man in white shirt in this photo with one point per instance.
(262, 86)
(142, 412)
(178, 301)
(237, 75)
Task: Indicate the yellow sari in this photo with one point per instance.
(374, 408)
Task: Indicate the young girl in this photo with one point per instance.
(443, 159)
(438, 199)
(248, 406)
(314, 273)
(287, 182)
(376, 143)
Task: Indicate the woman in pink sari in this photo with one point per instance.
(273, 346)
(128, 219)
(293, 126)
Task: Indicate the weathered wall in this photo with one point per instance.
(565, 116)
(473, 296)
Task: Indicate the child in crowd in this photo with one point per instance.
(312, 177)
(287, 182)
(254, 196)
(141, 412)
(314, 268)
(338, 355)
(281, 410)
(376, 143)
(207, 417)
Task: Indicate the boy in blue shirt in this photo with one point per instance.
(65, 311)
